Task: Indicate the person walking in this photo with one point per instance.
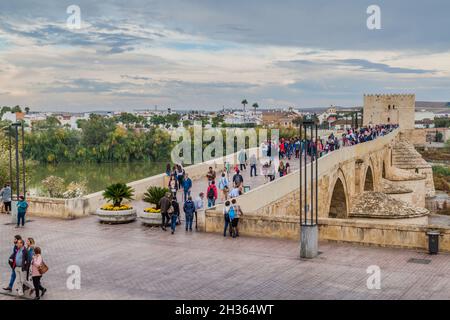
(21, 265)
(5, 194)
(36, 264)
(187, 186)
(174, 215)
(173, 186)
(226, 218)
(237, 215)
(253, 162)
(211, 175)
(281, 169)
(30, 247)
(238, 180)
(242, 158)
(211, 194)
(189, 210)
(22, 207)
(223, 184)
(165, 204)
(199, 205)
(12, 257)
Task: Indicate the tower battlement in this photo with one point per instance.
(393, 95)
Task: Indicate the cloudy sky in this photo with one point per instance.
(205, 54)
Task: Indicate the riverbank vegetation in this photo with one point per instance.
(100, 139)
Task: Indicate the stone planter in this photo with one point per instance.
(116, 217)
(151, 219)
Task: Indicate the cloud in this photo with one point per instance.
(360, 64)
(206, 54)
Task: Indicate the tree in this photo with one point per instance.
(154, 195)
(54, 186)
(27, 110)
(118, 192)
(16, 109)
(255, 106)
(244, 103)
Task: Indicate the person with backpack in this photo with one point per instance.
(189, 210)
(238, 180)
(22, 207)
(223, 184)
(211, 194)
(226, 218)
(174, 214)
(37, 271)
(237, 213)
(11, 263)
(232, 214)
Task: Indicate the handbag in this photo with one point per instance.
(170, 210)
(43, 268)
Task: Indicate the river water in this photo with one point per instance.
(97, 176)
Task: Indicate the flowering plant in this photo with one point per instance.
(111, 207)
(152, 210)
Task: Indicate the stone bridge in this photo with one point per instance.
(371, 193)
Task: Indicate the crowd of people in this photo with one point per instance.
(27, 268)
(228, 184)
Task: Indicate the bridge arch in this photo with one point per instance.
(369, 179)
(338, 207)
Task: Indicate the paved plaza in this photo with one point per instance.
(201, 184)
(136, 262)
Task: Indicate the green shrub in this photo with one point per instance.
(154, 195)
(118, 192)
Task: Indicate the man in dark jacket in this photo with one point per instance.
(189, 210)
(11, 263)
(165, 203)
(238, 180)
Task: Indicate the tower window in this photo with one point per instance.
(389, 107)
(389, 119)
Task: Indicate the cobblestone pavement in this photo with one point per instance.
(136, 262)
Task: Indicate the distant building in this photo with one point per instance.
(390, 109)
(284, 119)
(424, 119)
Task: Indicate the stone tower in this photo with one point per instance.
(390, 109)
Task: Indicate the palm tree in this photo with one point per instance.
(255, 106)
(154, 195)
(117, 193)
(244, 102)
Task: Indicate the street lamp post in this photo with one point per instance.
(14, 129)
(309, 231)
